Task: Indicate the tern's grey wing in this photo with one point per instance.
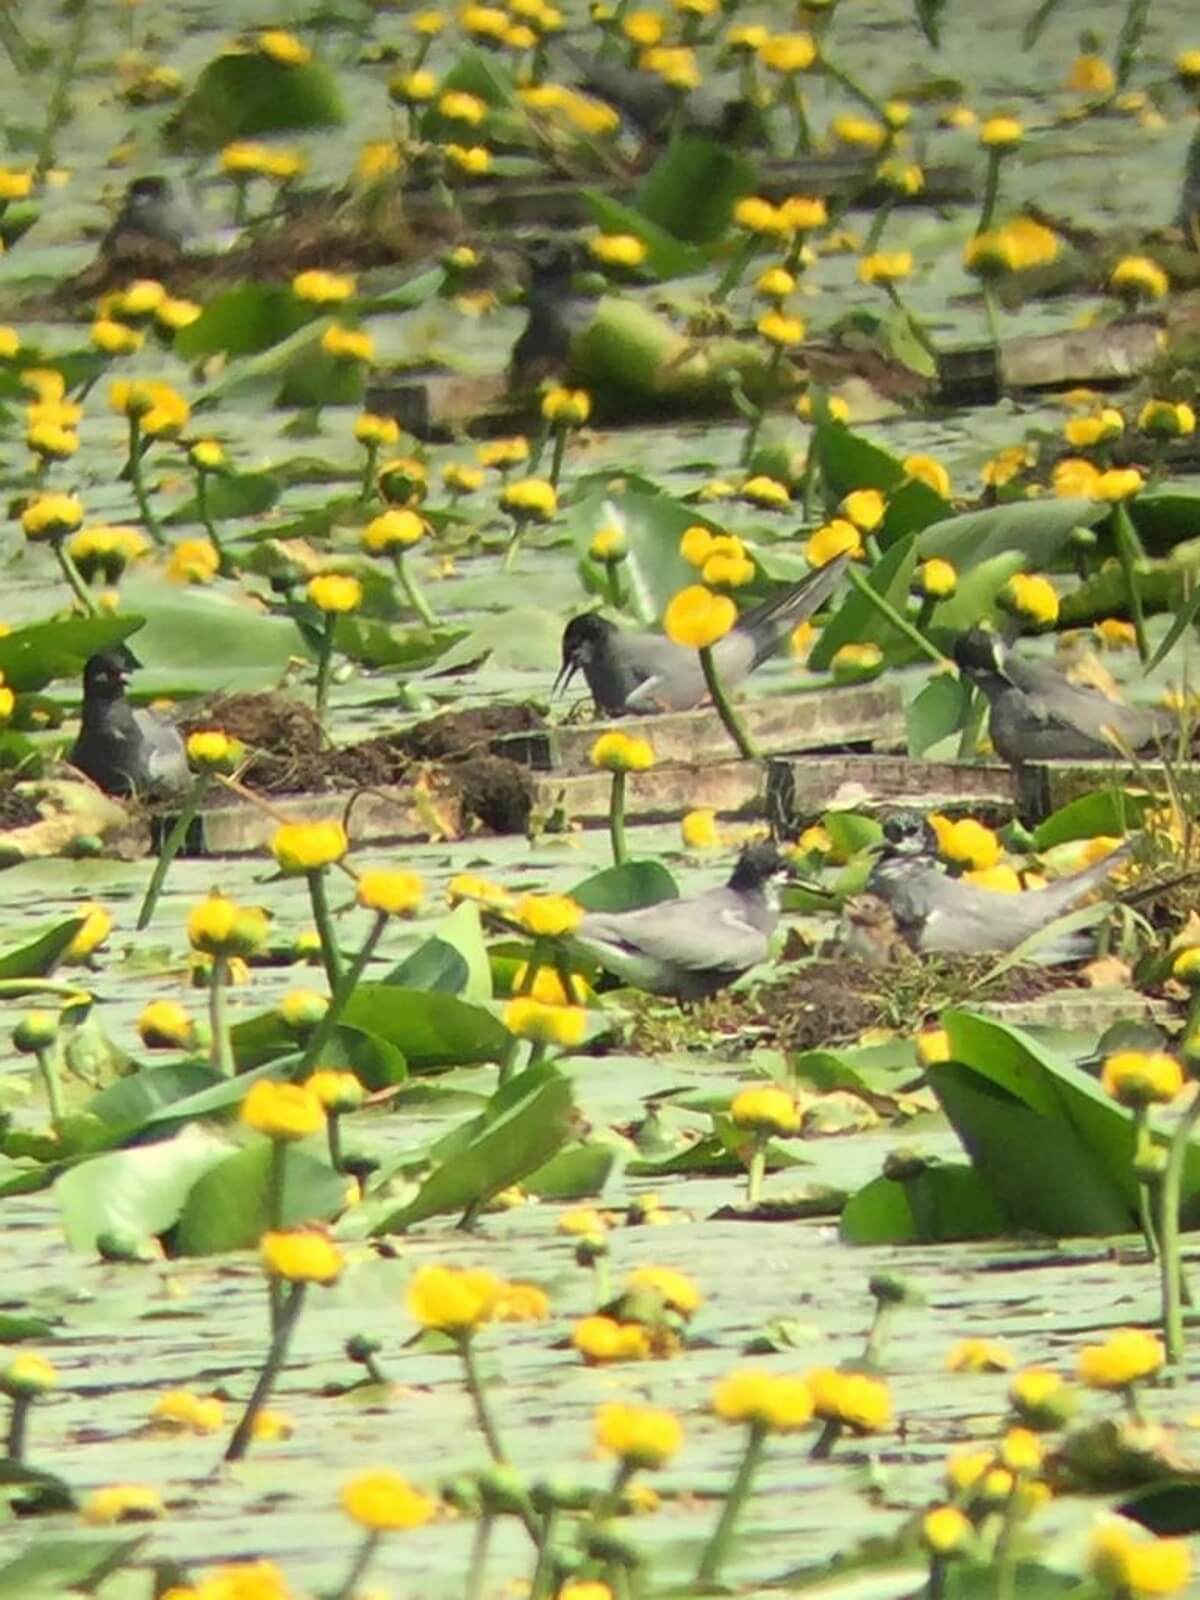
(950, 917)
(713, 932)
(1083, 715)
(163, 754)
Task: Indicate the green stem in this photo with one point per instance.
(323, 1031)
(560, 450)
(1171, 1265)
(58, 107)
(616, 819)
(325, 667)
(991, 191)
(17, 1426)
(71, 573)
(171, 847)
(333, 1132)
(1129, 552)
(881, 1323)
(47, 1063)
(755, 1172)
(1142, 1140)
(477, 1570)
(507, 1064)
(916, 326)
(992, 312)
(362, 1560)
(827, 1438)
(1132, 30)
(717, 1548)
(734, 268)
(609, 1504)
(769, 388)
(483, 1416)
(413, 592)
(612, 582)
(137, 448)
(854, 89)
(878, 223)
(514, 546)
(205, 514)
(276, 1178)
(281, 1337)
(724, 710)
(368, 477)
(218, 1021)
(887, 610)
(318, 894)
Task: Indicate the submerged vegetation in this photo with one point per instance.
(432, 1159)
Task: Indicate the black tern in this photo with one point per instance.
(1038, 714)
(153, 209)
(936, 914)
(688, 949)
(627, 670)
(122, 750)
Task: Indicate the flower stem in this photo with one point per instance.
(281, 1337)
(755, 1172)
(991, 191)
(514, 546)
(881, 1323)
(17, 1426)
(616, 819)
(71, 573)
(483, 1416)
(368, 478)
(717, 1549)
(560, 450)
(1129, 551)
(735, 267)
(276, 1177)
(333, 1132)
(413, 592)
(476, 1572)
(325, 667)
(826, 1439)
(724, 710)
(47, 1063)
(362, 1560)
(318, 894)
(171, 847)
(218, 1021)
(205, 515)
(1170, 1264)
(137, 448)
(887, 609)
(992, 312)
(346, 986)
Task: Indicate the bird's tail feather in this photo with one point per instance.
(768, 622)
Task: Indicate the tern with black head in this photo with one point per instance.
(688, 949)
(1037, 714)
(630, 670)
(123, 751)
(936, 914)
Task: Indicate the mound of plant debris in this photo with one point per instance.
(289, 754)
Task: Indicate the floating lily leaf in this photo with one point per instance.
(243, 94)
(691, 190)
(30, 658)
(243, 321)
(231, 495)
(126, 1105)
(135, 1193)
(945, 1201)
(524, 1124)
(227, 1207)
(627, 887)
(40, 956)
(432, 1030)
